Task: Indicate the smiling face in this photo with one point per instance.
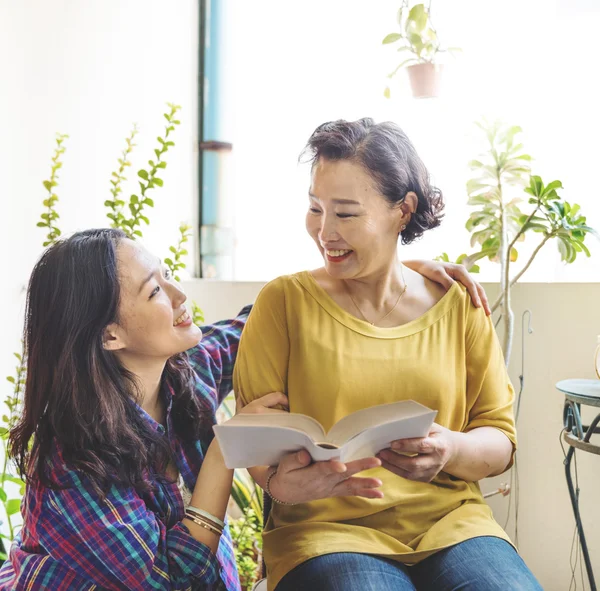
(352, 224)
(153, 321)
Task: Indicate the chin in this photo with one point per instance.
(191, 337)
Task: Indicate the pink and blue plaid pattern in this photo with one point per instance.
(73, 540)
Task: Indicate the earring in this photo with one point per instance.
(403, 228)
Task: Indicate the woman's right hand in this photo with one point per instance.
(298, 480)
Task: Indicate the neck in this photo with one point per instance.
(378, 288)
(148, 373)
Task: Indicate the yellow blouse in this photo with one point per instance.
(329, 363)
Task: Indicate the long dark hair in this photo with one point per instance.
(385, 151)
(78, 396)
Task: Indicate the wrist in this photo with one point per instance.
(272, 489)
(455, 443)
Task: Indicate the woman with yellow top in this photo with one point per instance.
(365, 330)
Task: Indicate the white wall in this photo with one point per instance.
(566, 320)
(91, 70)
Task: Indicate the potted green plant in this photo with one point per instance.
(510, 204)
(418, 38)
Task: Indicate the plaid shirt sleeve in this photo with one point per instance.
(213, 359)
(118, 543)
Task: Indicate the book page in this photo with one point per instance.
(287, 420)
(361, 420)
(245, 446)
(371, 441)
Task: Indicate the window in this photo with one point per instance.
(296, 65)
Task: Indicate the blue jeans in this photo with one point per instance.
(478, 564)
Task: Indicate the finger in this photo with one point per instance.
(331, 467)
(445, 280)
(414, 465)
(359, 487)
(294, 461)
(359, 465)
(484, 299)
(472, 289)
(418, 445)
(273, 399)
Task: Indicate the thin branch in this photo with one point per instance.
(522, 228)
(522, 271)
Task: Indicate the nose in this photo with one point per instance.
(328, 231)
(177, 294)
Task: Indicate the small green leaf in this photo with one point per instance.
(169, 262)
(3, 496)
(149, 202)
(143, 174)
(417, 18)
(387, 92)
(13, 506)
(48, 185)
(157, 181)
(391, 38)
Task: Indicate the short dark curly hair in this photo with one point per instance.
(387, 154)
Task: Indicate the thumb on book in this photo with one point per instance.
(295, 461)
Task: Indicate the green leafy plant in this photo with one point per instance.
(49, 217)
(11, 505)
(247, 543)
(175, 263)
(501, 184)
(197, 314)
(131, 224)
(116, 204)
(416, 37)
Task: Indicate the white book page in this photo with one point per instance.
(296, 421)
(373, 440)
(358, 421)
(246, 446)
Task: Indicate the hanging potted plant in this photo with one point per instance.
(419, 39)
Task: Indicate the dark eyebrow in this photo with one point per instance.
(150, 275)
(338, 201)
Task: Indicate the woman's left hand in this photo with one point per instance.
(433, 453)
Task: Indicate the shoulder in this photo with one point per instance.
(281, 289)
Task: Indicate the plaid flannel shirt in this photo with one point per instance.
(71, 539)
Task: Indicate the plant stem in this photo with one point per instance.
(498, 300)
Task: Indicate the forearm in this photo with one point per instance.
(259, 474)
(211, 493)
(480, 453)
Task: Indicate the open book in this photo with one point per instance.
(249, 440)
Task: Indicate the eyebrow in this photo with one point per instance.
(150, 275)
(338, 201)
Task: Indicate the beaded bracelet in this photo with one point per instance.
(268, 489)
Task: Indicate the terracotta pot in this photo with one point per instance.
(425, 79)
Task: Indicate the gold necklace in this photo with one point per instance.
(390, 310)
